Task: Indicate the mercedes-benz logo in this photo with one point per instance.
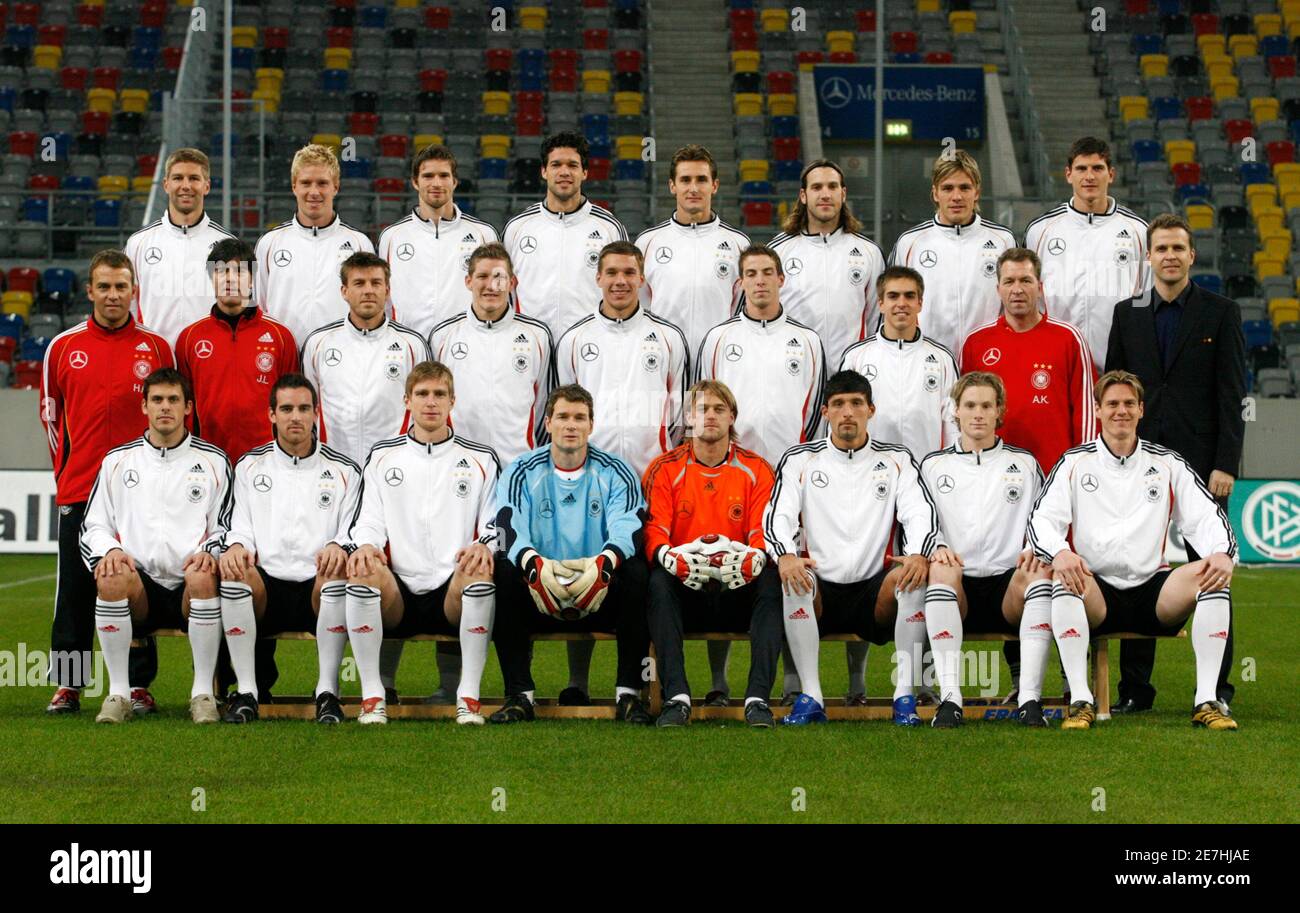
(152, 255)
(589, 351)
(527, 244)
(1089, 482)
(262, 482)
(203, 348)
(928, 258)
(946, 484)
(78, 359)
(734, 352)
(992, 356)
(663, 254)
(282, 258)
(819, 479)
(333, 357)
(131, 478)
(869, 372)
(1055, 246)
(405, 251)
(393, 476)
(793, 266)
(459, 350)
(836, 92)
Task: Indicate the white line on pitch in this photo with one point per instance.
(14, 583)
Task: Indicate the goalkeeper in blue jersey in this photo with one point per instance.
(570, 517)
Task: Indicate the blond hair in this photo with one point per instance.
(959, 160)
(721, 391)
(190, 155)
(430, 370)
(982, 379)
(314, 154)
(1112, 378)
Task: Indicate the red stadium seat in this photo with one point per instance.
(1238, 129)
(786, 149)
(866, 20)
(339, 36)
(627, 61)
(744, 18)
(27, 374)
(145, 165)
(528, 102)
(171, 58)
(23, 279)
(437, 17)
(52, 34)
(1281, 67)
(95, 122)
(274, 37)
(597, 169)
(563, 80)
(106, 78)
(757, 215)
(1186, 173)
(780, 82)
(393, 145)
(563, 57)
(22, 142)
(1199, 107)
(27, 14)
(8, 346)
(154, 14)
(43, 182)
(391, 188)
(349, 4)
(1281, 151)
(939, 57)
(843, 57)
(433, 80)
(595, 39)
(803, 57)
(903, 42)
(1137, 7)
(595, 4)
(73, 78)
(90, 15)
(528, 124)
(744, 41)
(1205, 23)
(499, 58)
(363, 123)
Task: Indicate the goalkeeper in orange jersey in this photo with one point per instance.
(704, 539)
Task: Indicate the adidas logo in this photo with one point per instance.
(327, 474)
(653, 337)
(918, 618)
(1042, 627)
(942, 635)
(338, 629)
(930, 359)
(595, 234)
(1123, 233)
(395, 347)
(346, 245)
(142, 347)
(266, 337)
(364, 629)
(110, 629)
(463, 464)
(1070, 633)
(725, 245)
(989, 245)
(469, 237)
(879, 466)
(855, 253)
(521, 338)
(797, 615)
(477, 629)
(1221, 635)
(792, 342)
(569, 499)
(1013, 468)
(197, 467)
(235, 631)
(708, 486)
(1152, 471)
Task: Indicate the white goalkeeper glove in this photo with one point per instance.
(592, 586)
(741, 565)
(688, 563)
(549, 595)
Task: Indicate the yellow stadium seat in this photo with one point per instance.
(1268, 218)
(754, 169)
(595, 81)
(1284, 315)
(1277, 246)
(338, 58)
(1133, 107)
(100, 100)
(1265, 267)
(1257, 194)
(333, 140)
(496, 103)
(1287, 173)
(185, 3)
(1224, 87)
(962, 22)
(629, 103)
(426, 139)
(1264, 108)
(17, 303)
(782, 210)
(628, 146)
(1293, 30)
(270, 78)
(269, 100)
(840, 42)
(927, 6)
(243, 36)
(494, 146)
(747, 104)
(1212, 42)
(1274, 304)
(1290, 9)
(532, 18)
(1200, 216)
(141, 183)
(775, 20)
(1219, 68)
(744, 61)
(1290, 198)
(1243, 46)
(1268, 24)
(135, 100)
(47, 56)
(1180, 151)
(1154, 65)
(112, 186)
(781, 104)
(407, 4)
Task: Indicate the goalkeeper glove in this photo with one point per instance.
(592, 585)
(687, 564)
(741, 565)
(548, 593)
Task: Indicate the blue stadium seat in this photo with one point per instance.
(11, 325)
(21, 36)
(36, 209)
(357, 168)
(83, 184)
(1167, 108)
(62, 145)
(1211, 282)
(595, 126)
(33, 348)
(1169, 7)
(785, 126)
(757, 189)
(601, 148)
(492, 169)
(334, 80)
(146, 58)
(1255, 173)
(913, 57)
(1274, 46)
(531, 59)
(147, 37)
(243, 58)
(7, 96)
(788, 170)
(1147, 150)
(374, 17)
(530, 81)
(1259, 333)
(1189, 193)
(108, 213)
(1148, 44)
(216, 146)
(59, 281)
(629, 170)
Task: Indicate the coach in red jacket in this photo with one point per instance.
(91, 394)
(234, 356)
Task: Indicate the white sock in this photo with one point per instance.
(579, 652)
(619, 691)
(1209, 639)
(390, 655)
(205, 643)
(909, 639)
(366, 633)
(684, 697)
(1035, 640)
(113, 622)
(477, 602)
(803, 642)
(943, 623)
(719, 659)
(1070, 627)
(240, 624)
(790, 677)
(855, 655)
(447, 657)
(331, 635)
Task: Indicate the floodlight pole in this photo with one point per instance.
(226, 119)
(880, 120)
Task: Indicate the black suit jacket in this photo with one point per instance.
(1194, 404)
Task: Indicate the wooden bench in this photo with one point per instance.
(1101, 665)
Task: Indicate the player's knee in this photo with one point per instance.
(945, 575)
(200, 585)
(373, 580)
(114, 587)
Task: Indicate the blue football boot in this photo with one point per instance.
(805, 711)
(905, 711)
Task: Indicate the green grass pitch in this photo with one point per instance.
(1154, 768)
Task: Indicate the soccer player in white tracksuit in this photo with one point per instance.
(555, 244)
(1093, 250)
(173, 288)
(501, 358)
(429, 250)
(982, 576)
(911, 375)
(430, 497)
(1102, 521)
(691, 259)
(956, 252)
(829, 525)
(281, 566)
(830, 266)
(298, 259)
(634, 363)
(155, 507)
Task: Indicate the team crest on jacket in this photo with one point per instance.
(735, 512)
(1153, 493)
(1041, 377)
(989, 267)
(265, 361)
(856, 275)
(722, 269)
(1012, 493)
(195, 493)
(794, 356)
(324, 498)
(593, 507)
(462, 488)
(141, 369)
(881, 490)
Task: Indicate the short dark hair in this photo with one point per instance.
(113, 259)
(168, 377)
(433, 151)
(759, 250)
(294, 381)
(364, 259)
(693, 152)
(899, 272)
(566, 139)
(1089, 145)
(228, 249)
(494, 250)
(1019, 255)
(625, 248)
(846, 381)
(574, 393)
(1170, 220)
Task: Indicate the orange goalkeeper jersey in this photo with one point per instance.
(686, 499)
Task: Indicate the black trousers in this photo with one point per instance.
(622, 613)
(1137, 658)
(72, 634)
(674, 609)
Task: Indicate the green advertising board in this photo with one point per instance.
(1265, 517)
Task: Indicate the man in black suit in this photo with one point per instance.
(1187, 346)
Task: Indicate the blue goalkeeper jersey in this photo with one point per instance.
(569, 518)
